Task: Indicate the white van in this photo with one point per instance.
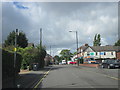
(63, 62)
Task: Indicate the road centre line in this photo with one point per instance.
(104, 75)
(46, 73)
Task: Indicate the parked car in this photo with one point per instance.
(90, 60)
(110, 64)
(73, 63)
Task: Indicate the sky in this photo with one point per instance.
(58, 18)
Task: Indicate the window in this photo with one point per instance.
(96, 53)
(104, 53)
(88, 54)
(111, 53)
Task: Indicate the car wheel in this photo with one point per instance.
(108, 67)
(102, 66)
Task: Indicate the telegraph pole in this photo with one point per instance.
(76, 45)
(15, 49)
(40, 37)
(50, 50)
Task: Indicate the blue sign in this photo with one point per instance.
(102, 53)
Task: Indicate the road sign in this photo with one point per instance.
(15, 49)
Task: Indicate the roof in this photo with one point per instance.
(106, 48)
(101, 48)
(83, 48)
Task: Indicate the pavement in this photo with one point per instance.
(24, 71)
(28, 79)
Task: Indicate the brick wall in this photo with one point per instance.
(118, 55)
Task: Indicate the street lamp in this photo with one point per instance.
(77, 45)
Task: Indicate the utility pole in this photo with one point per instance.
(15, 49)
(76, 45)
(40, 37)
(50, 50)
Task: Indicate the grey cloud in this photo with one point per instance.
(56, 19)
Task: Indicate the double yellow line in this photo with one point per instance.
(45, 74)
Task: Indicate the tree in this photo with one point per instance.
(75, 53)
(97, 40)
(22, 41)
(41, 54)
(117, 43)
(32, 55)
(66, 54)
(57, 58)
(28, 55)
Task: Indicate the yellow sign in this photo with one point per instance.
(15, 49)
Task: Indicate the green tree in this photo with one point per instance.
(32, 55)
(66, 54)
(117, 43)
(28, 54)
(97, 40)
(75, 53)
(41, 54)
(57, 58)
(22, 41)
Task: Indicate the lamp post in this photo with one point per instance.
(76, 45)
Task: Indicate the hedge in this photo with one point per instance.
(8, 68)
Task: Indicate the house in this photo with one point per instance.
(47, 59)
(30, 45)
(100, 52)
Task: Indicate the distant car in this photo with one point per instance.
(90, 60)
(63, 62)
(73, 63)
(110, 64)
(60, 63)
(50, 63)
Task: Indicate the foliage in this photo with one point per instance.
(21, 39)
(117, 43)
(97, 40)
(29, 55)
(57, 58)
(65, 54)
(41, 55)
(75, 53)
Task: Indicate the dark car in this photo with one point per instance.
(110, 64)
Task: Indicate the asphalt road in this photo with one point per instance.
(71, 76)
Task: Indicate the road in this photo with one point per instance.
(72, 76)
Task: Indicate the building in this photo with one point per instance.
(30, 45)
(100, 52)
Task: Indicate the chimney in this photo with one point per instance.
(86, 44)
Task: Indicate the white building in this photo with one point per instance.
(99, 52)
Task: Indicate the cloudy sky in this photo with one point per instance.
(56, 20)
